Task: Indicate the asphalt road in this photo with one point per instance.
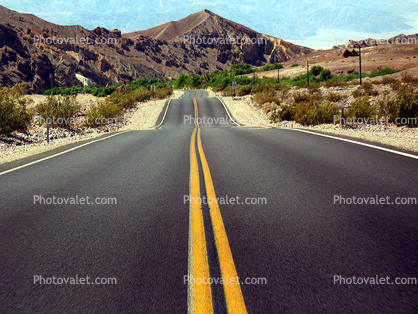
(297, 242)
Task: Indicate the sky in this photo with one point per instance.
(311, 23)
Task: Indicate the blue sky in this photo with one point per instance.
(312, 23)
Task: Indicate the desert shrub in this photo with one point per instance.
(335, 83)
(315, 112)
(271, 100)
(61, 109)
(334, 97)
(102, 112)
(369, 90)
(294, 65)
(388, 80)
(314, 88)
(13, 113)
(360, 108)
(410, 79)
(227, 91)
(124, 89)
(396, 85)
(270, 106)
(141, 95)
(266, 87)
(366, 89)
(299, 97)
(260, 98)
(287, 112)
(243, 90)
(284, 91)
(164, 92)
(124, 101)
(358, 92)
(402, 108)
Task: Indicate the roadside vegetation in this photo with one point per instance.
(292, 100)
(64, 111)
(13, 113)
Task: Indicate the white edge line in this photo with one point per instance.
(227, 111)
(61, 153)
(166, 109)
(358, 143)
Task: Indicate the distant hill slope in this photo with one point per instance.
(205, 30)
(44, 54)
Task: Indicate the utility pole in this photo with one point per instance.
(359, 56)
(307, 71)
(278, 75)
(254, 78)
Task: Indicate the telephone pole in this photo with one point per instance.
(359, 56)
(307, 71)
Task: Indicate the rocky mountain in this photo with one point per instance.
(204, 41)
(294, 20)
(47, 55)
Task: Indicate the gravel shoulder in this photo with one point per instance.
(22, 145)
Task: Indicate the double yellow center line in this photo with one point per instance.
(199, 293)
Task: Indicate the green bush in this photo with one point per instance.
(294, 65)
(103, 112)
(314, 113)
(240, 69)
(261, 97)
(287, 112)
(243, 90)
(325, 75)
(269, 67)
(361, 108)
(316, 70)
(301, 97)
(62, 108)
(366, 89)
(13, 113)
(164, 92)
(401, 109)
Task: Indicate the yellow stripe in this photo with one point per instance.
(233, 294)
(201, 290)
